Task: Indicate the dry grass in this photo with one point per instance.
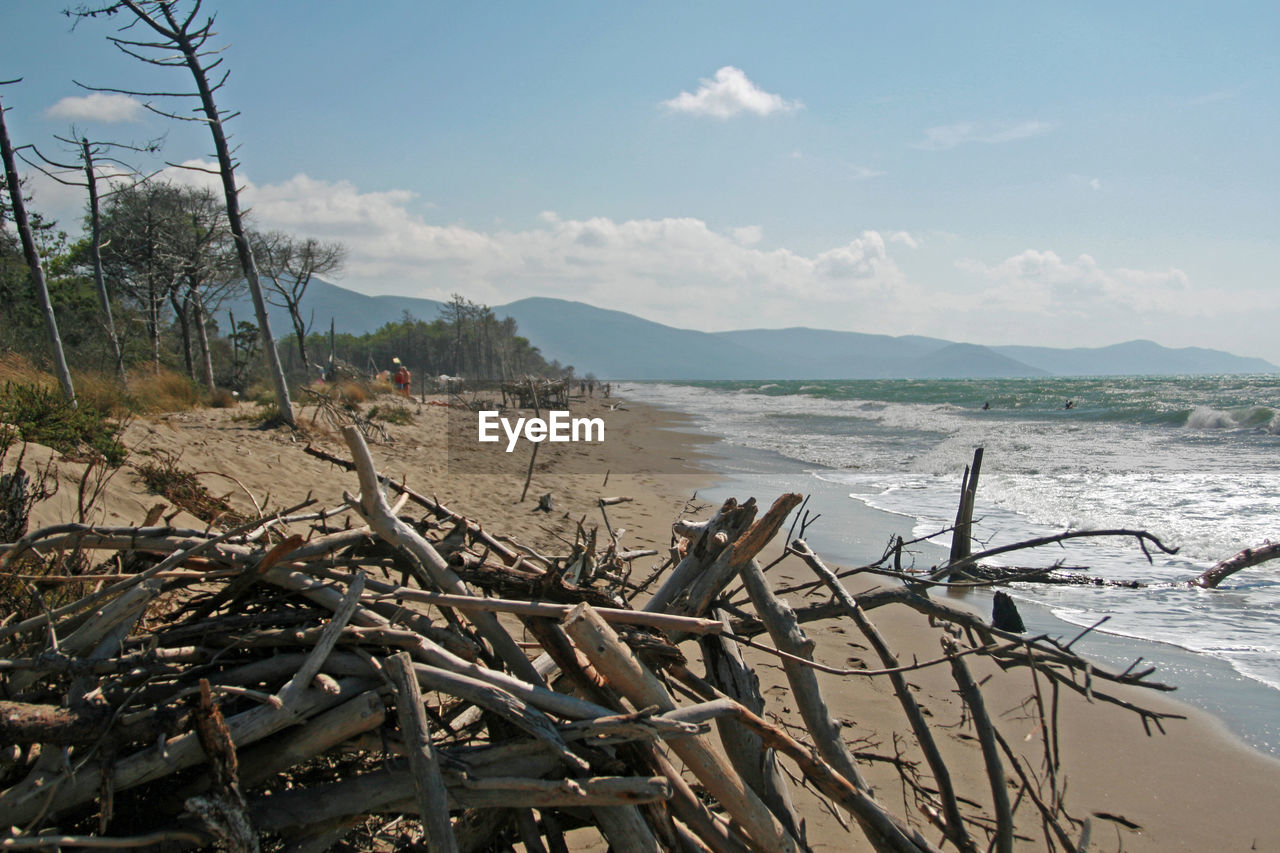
(19, 370)
(163, 475)
(222, 398)
(350, 393)
(165, 391)
(147, 391)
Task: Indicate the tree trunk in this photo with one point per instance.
(184, 327)
(153, 323)
(300, 329)
(32, 255)
(206, 358)
(95, 252)
(226, 167)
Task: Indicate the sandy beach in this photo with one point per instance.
(1193, 788)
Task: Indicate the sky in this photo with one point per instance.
(1068, 174)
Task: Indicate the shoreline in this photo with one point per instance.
(853, 533)
(660, 457)
(1199, 786)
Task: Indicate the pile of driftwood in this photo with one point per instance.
(535, 392)
(265, 688)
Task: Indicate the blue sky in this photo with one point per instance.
(1008, 173)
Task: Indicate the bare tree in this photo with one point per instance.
(32, 256)
(98, 162)
(290, 264)
(184, 43)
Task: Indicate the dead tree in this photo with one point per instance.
(94, 158)
(32, 256)
(290, 263)
(184, 43)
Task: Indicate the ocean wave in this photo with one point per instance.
(1256, 418)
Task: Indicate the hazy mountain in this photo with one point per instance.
(351, 312)
(1135, 358)
(615, 344)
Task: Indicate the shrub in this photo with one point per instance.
(41, 415)
(392, 415)
(222, 398)
(350, 392)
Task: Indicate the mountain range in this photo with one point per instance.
(615, 344)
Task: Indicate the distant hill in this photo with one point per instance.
(615, 344)
(1135, 358)
(353, 313)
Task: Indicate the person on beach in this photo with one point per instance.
(401, 377)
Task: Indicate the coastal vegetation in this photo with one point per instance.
(168, 266)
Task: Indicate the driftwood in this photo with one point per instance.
(286, 682)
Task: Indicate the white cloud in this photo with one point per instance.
(688, 273)
(1041, 283)
(950, 135)
(729, 94)
(1039, 297)
(678, 270)
(97, 106)
(1095, 184)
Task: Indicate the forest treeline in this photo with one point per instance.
(170, 272)
(466, 340)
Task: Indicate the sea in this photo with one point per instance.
(1195, 461)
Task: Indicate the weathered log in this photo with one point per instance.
(754, 762)
(786, 634)
(887, 832)
(391, 791)
(625, 829)
(53, 790)
(953, 820)
(615, 661)
(962, 531)
(435, 507)
(972, 697)
(725, 526)
(664, 621)
(431, 797)
(1004, 613)
(698, 596)
(26, 723)
(1243, 560)
(374, 507)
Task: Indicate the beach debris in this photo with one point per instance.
(1004, 613)
(286, 681)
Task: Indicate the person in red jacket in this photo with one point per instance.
(401, 377)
